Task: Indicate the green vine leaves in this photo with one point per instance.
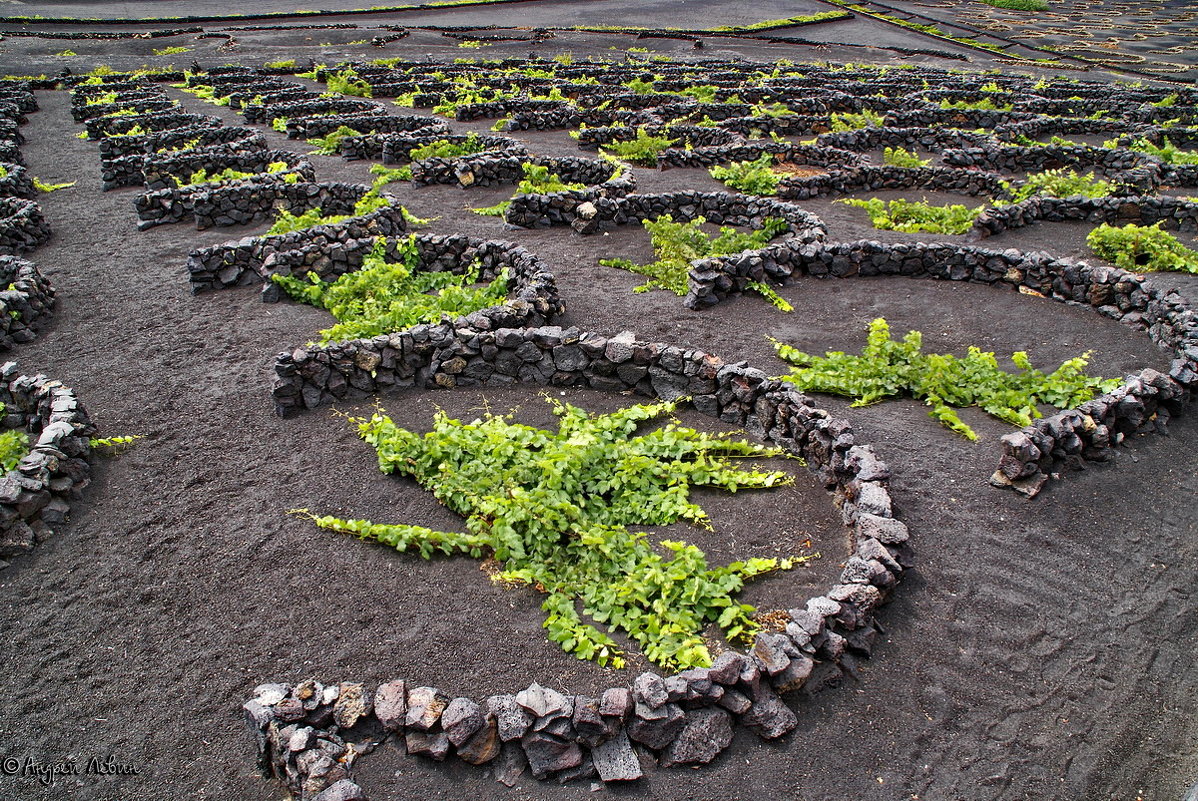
(554, 507)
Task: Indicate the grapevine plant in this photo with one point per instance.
(14, 445)
(914, 216)
(676, 245)
(756, 177)
(1141, 248)
(554, 507)
(537, 180)
(384, 296)
(887, 369)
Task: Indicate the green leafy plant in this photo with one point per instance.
(1019, 5)
(1058, 183)
(171, 51)
(676, 245)
(848, 121)
(330, 143)
(14, 446)
(916, 216)
(280, 65)
(384, 296)
(1142, 248)
(901, 157)
(887, 369)
(537, 180)
(286, 222)
(446, 149)
(555, 507)
(1053, 141)
(1166, 152)
(208, 93)
(756, 177)
(822, 16)
(388, 175)
(279, 124)
(773, 110)
(112, 446)
(643, 149)
(66, 53)
(348, 82)
(202, 176)
(985, 104)
(42, 186)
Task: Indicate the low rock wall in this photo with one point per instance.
(686, 719)
(22, 226)
(36, 496)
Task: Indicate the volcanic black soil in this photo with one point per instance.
(1040, 649)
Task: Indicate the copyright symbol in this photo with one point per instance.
(11, 766)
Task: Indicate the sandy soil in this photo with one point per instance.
(1039, 650)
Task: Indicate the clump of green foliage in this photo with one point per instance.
(205, 93)
(887, 369)
(985, 104)
(676, 245)
(848, 121)
(14, 445)
(330, 143)
(1053, 141)
(348, 82)
(537, 180)
(202, 176)
(555, 507)
(1166, 152)
(388, 175)
(642, 150)
(756, 177)
(1142, 248)
(280, 65)
(385, 296)
(286, 222)
(445, 149)
(916, 216)
(42, 186)
(1019, 5)
(822, 16)
(901, 157)
(1058, 183)
(170, 51)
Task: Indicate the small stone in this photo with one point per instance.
(483, 746)
(548, 754)
(769, 716)
(650, 689)
(707, 732)
(353, 703)
(615, 760)
(425, 705)
(431, 744)
(511, 718)
(726, 668)
(542, 702)
(656, 727)
(512, 763)
(616, 703)
(390, 705)
(343, 790)
(461, 719)
(270, 694)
